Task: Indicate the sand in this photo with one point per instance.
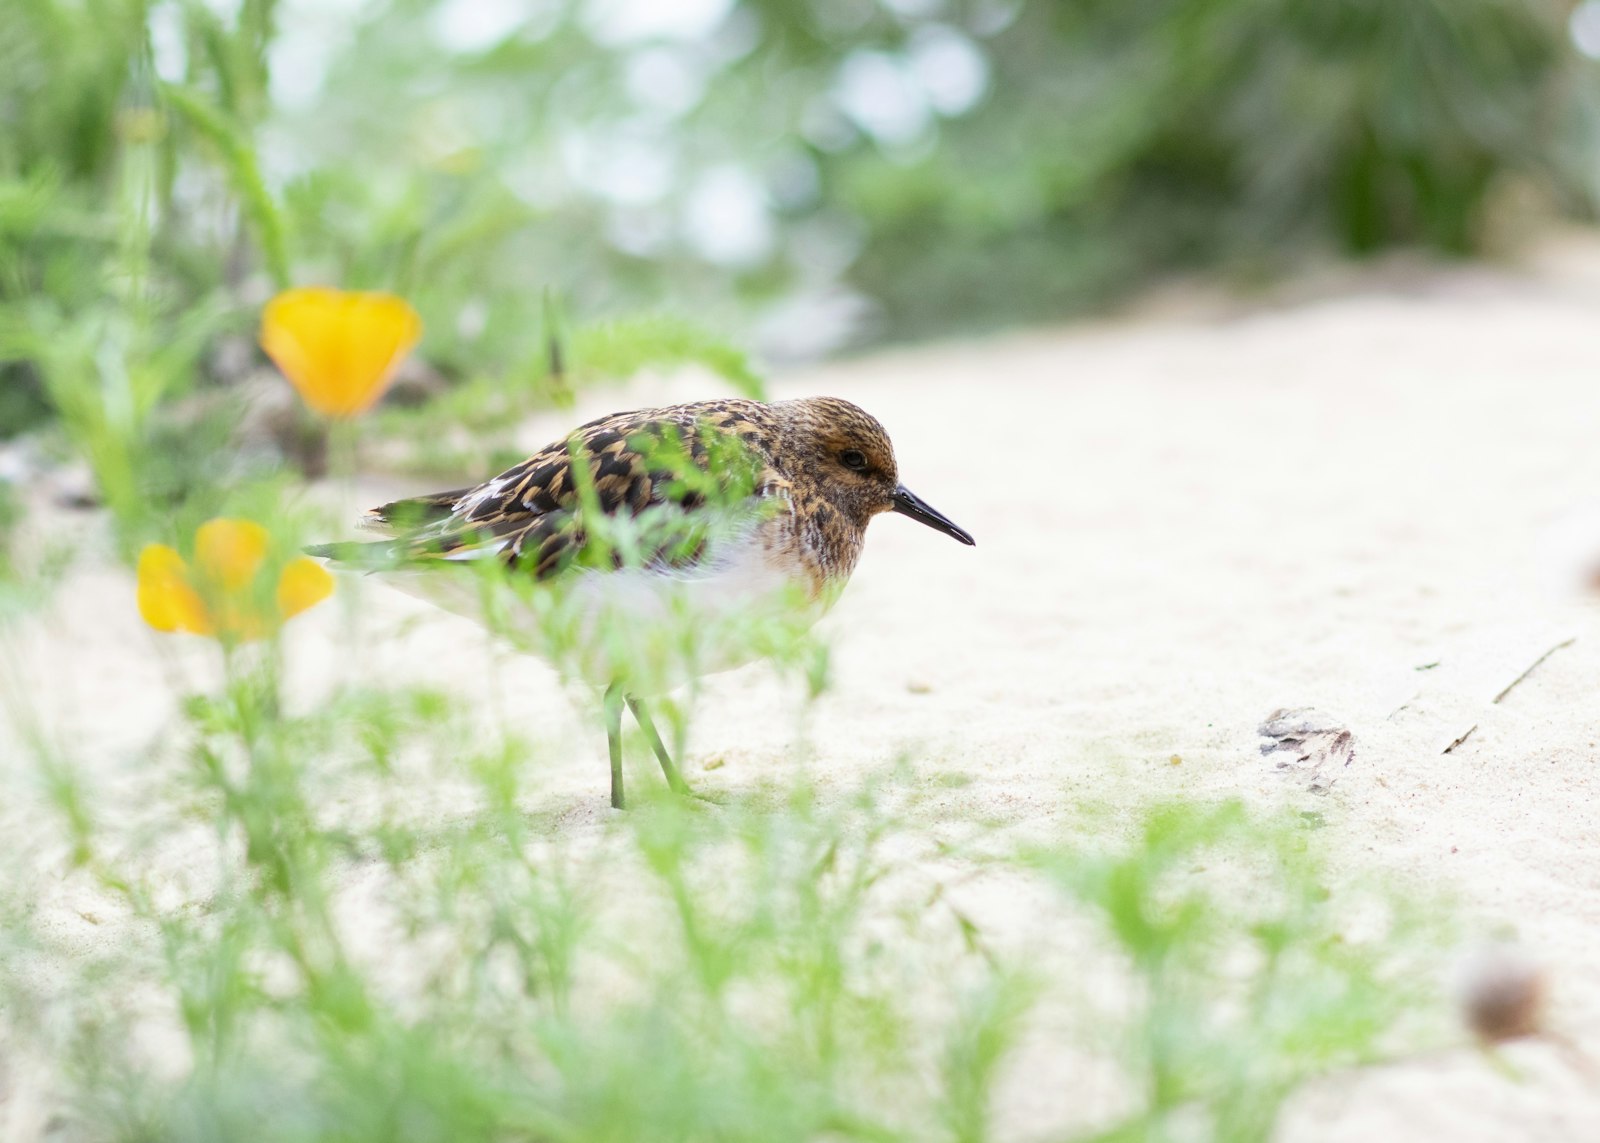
(1371, 498)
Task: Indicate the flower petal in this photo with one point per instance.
(228, 553)
(338, 349)
(167, 601)
(303, 584)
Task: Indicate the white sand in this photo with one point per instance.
(1184, 521)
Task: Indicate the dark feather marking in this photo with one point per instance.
(534, 504)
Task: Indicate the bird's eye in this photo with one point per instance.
(853, 458)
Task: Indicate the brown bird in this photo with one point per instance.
(704, 509)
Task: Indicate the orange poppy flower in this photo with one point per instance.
(339, 349)
(220, 595)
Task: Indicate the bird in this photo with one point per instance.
(693, 510)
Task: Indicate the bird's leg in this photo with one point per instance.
(642, 717)
(613, 710)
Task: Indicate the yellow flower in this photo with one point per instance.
(338, 349)
(219, 595)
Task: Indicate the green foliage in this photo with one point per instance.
(623, 347)
(1122, 140)
(470, 425)
(141, 226)
(1255, 966)
(1098, 144)
(95, 246)
(1008, 161)
(337, 959)
(233, 146)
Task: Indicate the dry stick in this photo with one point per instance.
(1509, 687)
(1567, 642)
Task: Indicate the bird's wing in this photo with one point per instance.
(532, 515)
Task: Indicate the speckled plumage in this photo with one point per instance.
(529, 515)
(820, 467)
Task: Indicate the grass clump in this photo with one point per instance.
(1254, 964)
(355, 922)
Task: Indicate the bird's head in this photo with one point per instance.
(849, 456)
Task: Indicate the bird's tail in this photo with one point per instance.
(353, 555)
(401, 516)
(401, 521)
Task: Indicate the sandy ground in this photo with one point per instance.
(1361, 501)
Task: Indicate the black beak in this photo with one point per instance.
(907, 503)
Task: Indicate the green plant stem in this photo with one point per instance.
(342, 461)
(238, 157)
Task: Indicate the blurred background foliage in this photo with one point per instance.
(800, 175)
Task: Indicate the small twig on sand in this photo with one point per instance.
(1567, 642)
(1507, 689)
